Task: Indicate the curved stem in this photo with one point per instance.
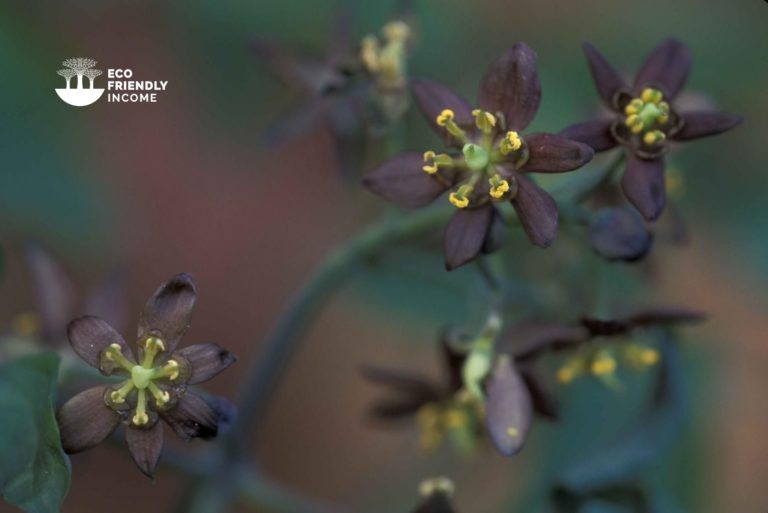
(280, 346)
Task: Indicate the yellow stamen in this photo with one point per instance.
(444, 117)
(654, 137)
(637, 128)
(161, 396)
(499, 187)
(170, 370)
(649, 356)
(140, 418)
(603, 365)
(369, 53)
(455, 418)
(457, 201)
(511, 142)
(27, 324)
(485, 121)
(118, 396)
(651, 95)
(114, 353)
(396, 31)
(152, 346)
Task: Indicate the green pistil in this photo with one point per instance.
(476, 157)
(649, 114)
(142, 377)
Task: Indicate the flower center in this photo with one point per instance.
(648, 116)
(147, 379)
(482, 178)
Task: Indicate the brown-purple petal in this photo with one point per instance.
(619, 233)
(169, 310)
(402, 181)
(705, 123)
(192, 417)
(511, 85)
(53, 289)
(643, 185)
(595, 133)
(465, 235)
(497, 233)
(536, 210)
(432, 98)
(206, 360)
(666, 315)
(607, 80)
(89, 336)
(666, 67)
(550, 153)
(508, 407)
(145, 446)
(85, 420)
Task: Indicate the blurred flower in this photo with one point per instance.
(595, 342)
(56, 302)
(353, 93)
(436, 494)
(619, 233)
(479, 393)
(486, 160)
(155, 384)
(645, 121)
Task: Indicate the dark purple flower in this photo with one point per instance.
(155, 384)
(529, 340)
(645, 120)
(487, 158)
(445, 407)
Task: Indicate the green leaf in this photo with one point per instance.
(34, 471)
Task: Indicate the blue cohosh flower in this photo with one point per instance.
(481, 394)
(486, 160)
(601, 346)
(154, 382)
(645, 120)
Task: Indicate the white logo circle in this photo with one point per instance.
(80, 95)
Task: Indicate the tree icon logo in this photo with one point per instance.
(80, 95)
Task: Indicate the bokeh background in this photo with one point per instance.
(186, 184)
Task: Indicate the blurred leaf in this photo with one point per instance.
(34, 471)
(629, 455)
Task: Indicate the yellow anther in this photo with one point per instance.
(654, 137)
(603, 365)
(27, 324)
(511, 142)
(455, 418)
(114, 353)
(648, 356)
(637, 128)
(632, 120)
(634, 106)
(140, 418)
(396, 31)
(170, 370)
(458, 201)
(566, 374)
(369, 53)
(429, 156)
(513, 432)
(651, 95)
(444, 117)
(485, 121)
(161, 396)
(499, 187)
(118, 396)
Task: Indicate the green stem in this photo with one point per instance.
(279, 347)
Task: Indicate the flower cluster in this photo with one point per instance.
(486, 160)
(645, 121)
(155, 382)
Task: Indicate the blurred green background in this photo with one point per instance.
(186, 185)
